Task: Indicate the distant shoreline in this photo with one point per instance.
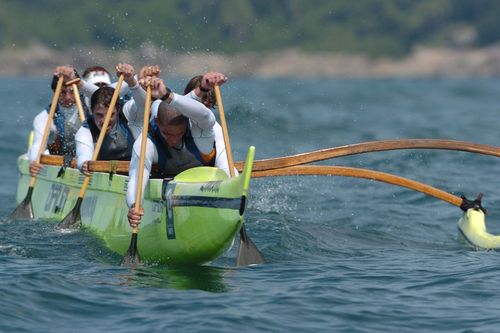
(423, 62)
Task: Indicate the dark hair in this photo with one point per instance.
(192, 84)
(55, 78)
(103, 96)
(196, 82)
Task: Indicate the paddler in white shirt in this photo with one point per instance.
(195, 91)
(124, 127)
(181, 137)
(207, 97)
(65, 124)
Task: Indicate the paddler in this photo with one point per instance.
(65, 123)
(181, 137)
(203, 95)
(195, 91)
(206, 96)
(124, 126)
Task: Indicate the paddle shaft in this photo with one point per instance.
(132, 257)
(361, 173)
(104, 129)
(248, 253)
(223, 123)
(78, 102)
(359, 148)
(144, 137)
(53, 106)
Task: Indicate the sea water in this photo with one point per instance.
(343, 254)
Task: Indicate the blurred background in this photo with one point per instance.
(261, 38)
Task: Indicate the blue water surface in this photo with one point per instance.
(343, 254)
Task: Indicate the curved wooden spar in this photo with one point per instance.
(122, 166)
(472, 225)
(317, 155)
(366, 147)
(305, 170)
(94, 166)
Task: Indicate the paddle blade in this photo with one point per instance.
(248, 253)
(73, 220)
(132, 257)
(24, 211)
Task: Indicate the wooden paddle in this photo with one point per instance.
(25, 209)
(359, 148)
(327, 170)
(74, 84)
(73, 218)
(132, 257)
(248, 253)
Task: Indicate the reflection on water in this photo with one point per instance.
(181, 277)
(41, 240)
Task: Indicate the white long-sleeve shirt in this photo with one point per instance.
(133, 111)
(201, 123)
(221, 160)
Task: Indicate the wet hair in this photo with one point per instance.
(55, 78)
(168, 115)
(194, 83)
(103, 96)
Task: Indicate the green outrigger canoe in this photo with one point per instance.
(191, 219)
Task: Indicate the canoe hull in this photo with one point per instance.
(191, 219)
